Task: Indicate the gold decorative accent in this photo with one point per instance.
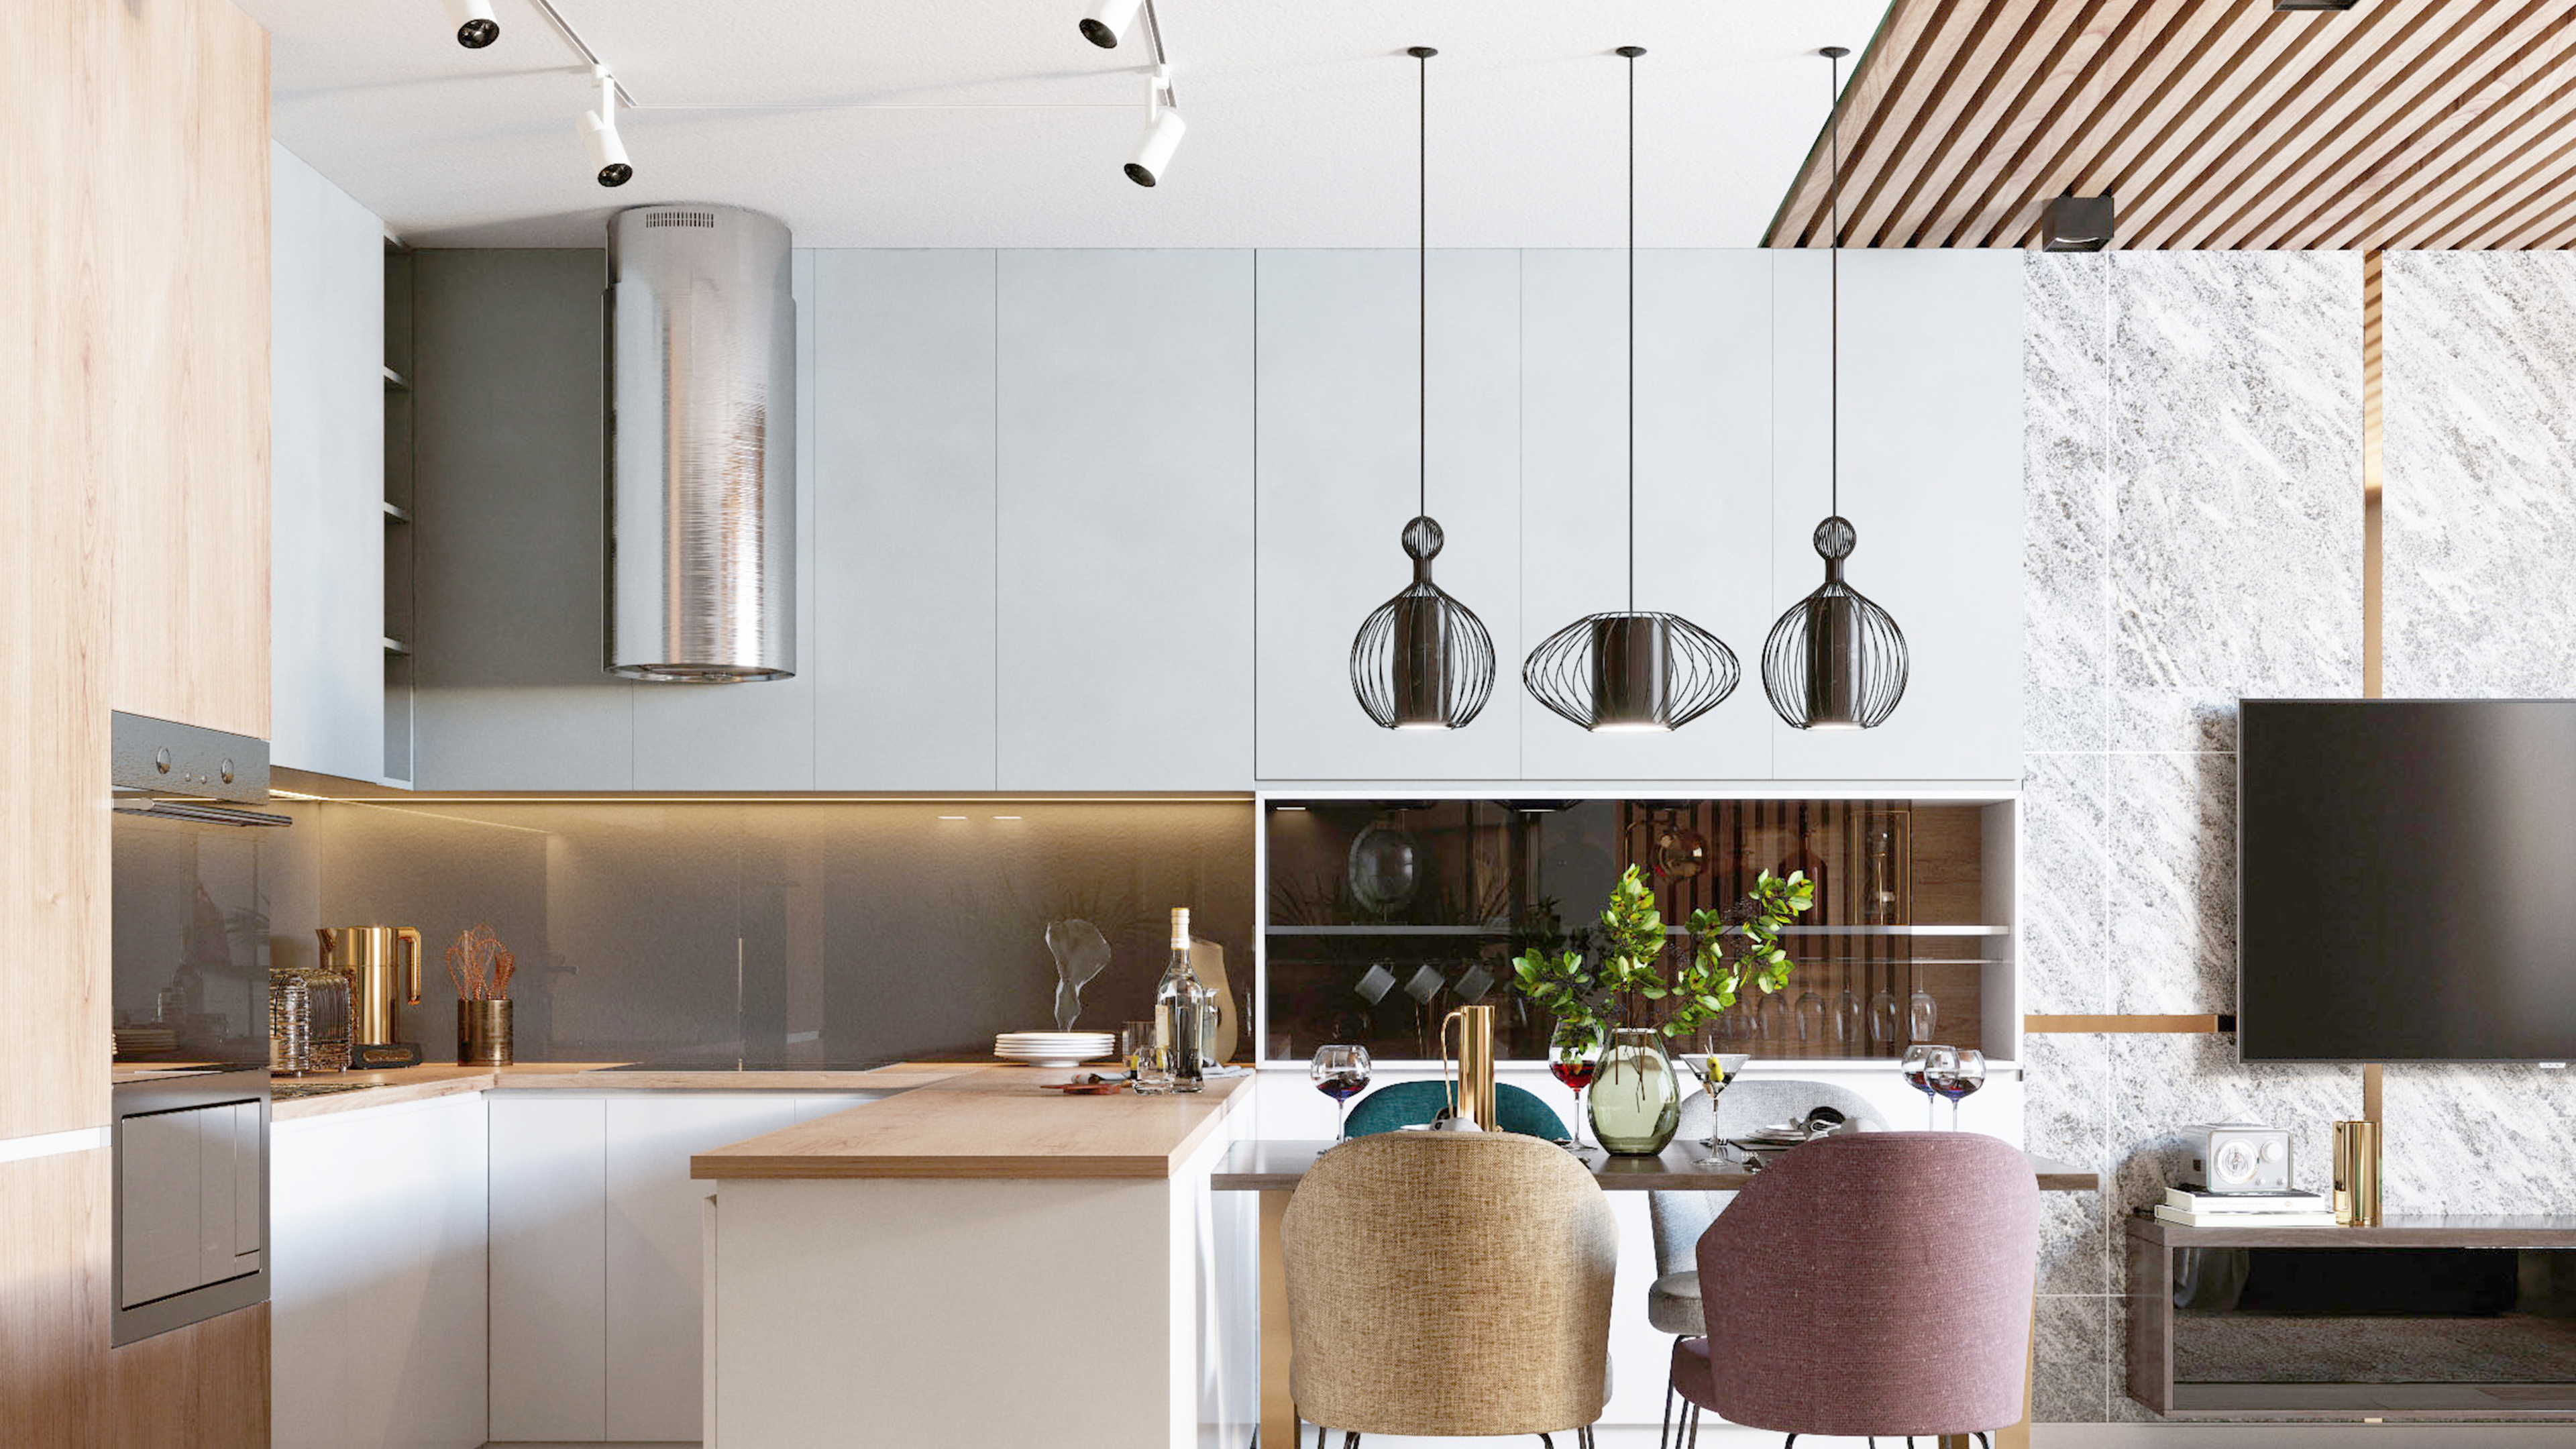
(1471, 1092)
(2356, 1174)
(2205, 1025)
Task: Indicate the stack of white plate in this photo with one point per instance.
(1054, 1048)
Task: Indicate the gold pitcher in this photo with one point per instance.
(1471, 1092)
(2356, 1174)
(370, 954)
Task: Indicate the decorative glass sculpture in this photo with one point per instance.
(1422, 660)
(1835, 660)
(1081, 953)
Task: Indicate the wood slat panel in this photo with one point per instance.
(2424, 124)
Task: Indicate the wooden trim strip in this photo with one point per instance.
(2203, 1025)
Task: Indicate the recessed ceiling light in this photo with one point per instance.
(952, 817)
(2313, 4)
(1006, 817)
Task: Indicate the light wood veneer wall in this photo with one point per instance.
(133, 575)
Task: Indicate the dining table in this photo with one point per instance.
(1273, 1166)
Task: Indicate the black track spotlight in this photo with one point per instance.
(599, 135)
(1108, 20)
(475, 27)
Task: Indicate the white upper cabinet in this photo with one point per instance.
(1124, 578)
(1703, 486)
(1932, 482)
(326, 481)
(1340, 461)
(902, 488)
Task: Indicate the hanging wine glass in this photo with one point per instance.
(1811, 1021)
(1776, 1026)
(1882, 1020)
(1923, 1017)
(1847, 1021)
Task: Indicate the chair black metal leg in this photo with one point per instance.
(1351, 1440)
(1692, 1416)
(1664, 1434)
(1550, 1443)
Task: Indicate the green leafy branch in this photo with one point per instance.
(1738, 949)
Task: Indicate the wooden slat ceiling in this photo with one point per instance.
(2218, 124)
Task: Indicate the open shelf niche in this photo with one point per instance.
(399, 617)
(1381, 914)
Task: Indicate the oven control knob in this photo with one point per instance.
(228, 772)
(161, 760)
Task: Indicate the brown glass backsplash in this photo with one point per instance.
(772, 931)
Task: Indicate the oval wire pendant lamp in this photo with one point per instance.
(1422, 660)
(1835, 661)
(1631, 669)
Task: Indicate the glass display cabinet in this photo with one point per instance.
(1381, 914)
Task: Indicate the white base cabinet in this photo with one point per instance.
(597, 1243)
(376, 1293)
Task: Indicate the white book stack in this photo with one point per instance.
(2192, 1206)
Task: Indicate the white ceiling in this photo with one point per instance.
(992, 123)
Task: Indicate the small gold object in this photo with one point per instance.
(483, 1034)
(1471, 1092)
(2356, 1174)
(383, 967)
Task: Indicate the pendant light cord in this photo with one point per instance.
(1632, 52)
(1422, 286)
(1834, 124)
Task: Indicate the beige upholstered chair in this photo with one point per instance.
(1449, 1283)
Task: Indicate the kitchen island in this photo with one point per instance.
(981, 1260)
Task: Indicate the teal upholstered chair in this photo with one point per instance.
(1410, 1104)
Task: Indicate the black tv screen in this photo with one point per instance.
(2406, 880)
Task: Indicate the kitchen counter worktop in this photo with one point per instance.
(987, 1121)
(416, 1084)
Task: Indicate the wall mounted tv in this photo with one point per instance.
(2406, 880)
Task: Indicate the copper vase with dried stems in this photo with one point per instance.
(480, 967)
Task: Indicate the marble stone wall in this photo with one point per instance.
(2193, 534)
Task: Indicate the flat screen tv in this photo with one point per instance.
(2406, 880)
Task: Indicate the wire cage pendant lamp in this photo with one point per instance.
(1422, 660)
(1835, 660)
(1631, 670)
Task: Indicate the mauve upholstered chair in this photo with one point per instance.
(1748, 1105)
(1450, 1284)
(1872, 1285)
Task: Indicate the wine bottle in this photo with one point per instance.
(1181, 1007)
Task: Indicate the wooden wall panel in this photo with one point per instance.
(134, 408)
(133, 573)
(54, 1267)
(204, 1386)
(2218, 124)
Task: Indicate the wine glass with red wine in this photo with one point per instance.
(1966, 1074)
(1341, 1073)
(1919, 1065)
(1570, 1056)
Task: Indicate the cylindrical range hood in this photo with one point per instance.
(701, 446)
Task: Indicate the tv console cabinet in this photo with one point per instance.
(2457, 1317)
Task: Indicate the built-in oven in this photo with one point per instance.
(196, 867)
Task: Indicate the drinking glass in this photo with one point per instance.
(1144, 1062)
(1811, 1022)
(1967, 1073)
(1847, 1019)
(1924, 1015)
(1920, 1064)
(1882, 1019)
(1571, 1057)
(1341, 1073)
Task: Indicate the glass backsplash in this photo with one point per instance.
(1384, 914)
(815, 932)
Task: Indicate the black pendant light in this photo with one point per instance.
(1422, 660)
(1835, 661)
(1629, 669)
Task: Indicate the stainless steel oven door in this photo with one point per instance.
(191, 1202)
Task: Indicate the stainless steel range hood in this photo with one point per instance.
(701, 446)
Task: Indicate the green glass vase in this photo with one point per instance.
(1636, 1101)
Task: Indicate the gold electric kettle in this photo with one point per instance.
(369, 954)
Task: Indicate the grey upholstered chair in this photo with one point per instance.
(1451, 1284)
(1819, 1275)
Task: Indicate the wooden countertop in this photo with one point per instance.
(421, 1083)
(987, 1122)
(2396, 1230)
